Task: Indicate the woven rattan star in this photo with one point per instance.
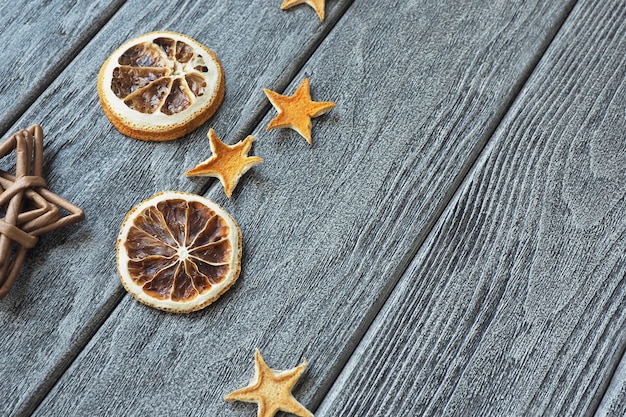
(29, 208)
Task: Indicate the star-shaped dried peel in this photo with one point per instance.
(271, 390)
(295, 112)
(228, 163)
(317, 5)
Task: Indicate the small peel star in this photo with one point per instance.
(295, 112)
(271, 390)
(228, 163)
(317, 5)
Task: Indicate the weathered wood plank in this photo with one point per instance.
(319, 257)
(614, 400)
(39, 38)
(68, 285)
(514, 305)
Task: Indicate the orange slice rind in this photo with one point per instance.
(160, 86)
(178, 252)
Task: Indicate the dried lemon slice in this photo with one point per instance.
(160, 86)
(178, 252)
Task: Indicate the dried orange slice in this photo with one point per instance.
(178, 252)
(160, 86)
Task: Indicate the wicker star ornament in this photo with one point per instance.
(29, 208)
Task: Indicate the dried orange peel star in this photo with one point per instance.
(317, 5)
(228, 163)
(271, 390)
(295, 112)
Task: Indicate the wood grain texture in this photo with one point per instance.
(69, 284)
(514, 305)
(614, 400)
(320, 255)
(39, 38)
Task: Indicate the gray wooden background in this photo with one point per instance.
(452, 243)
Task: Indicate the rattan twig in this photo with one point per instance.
(30, 209)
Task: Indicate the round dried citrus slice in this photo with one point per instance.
(160, 86)
(178, 252)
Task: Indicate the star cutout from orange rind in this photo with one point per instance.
(271, 390)
(295, 112)
(317, 5)
(228, 163)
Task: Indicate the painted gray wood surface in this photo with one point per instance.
(39, 38)
(69, 285)
(320, 254)
(515, 303)
(614, 401)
